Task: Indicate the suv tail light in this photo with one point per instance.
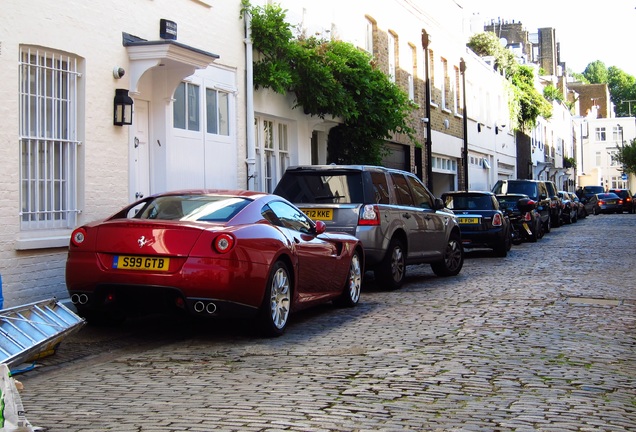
(369, 215)
(497, 220)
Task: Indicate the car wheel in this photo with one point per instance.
(547, 226)
(453, 260)
(392, 269)
(536, 234)
(277, 302)
(596, 211)
(353, 285)
(503, 247)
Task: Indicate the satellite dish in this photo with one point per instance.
(503, 42)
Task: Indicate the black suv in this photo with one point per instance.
(536, 191)
(626, 196)
(398, 220)
(556, 204)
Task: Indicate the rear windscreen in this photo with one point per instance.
(335, 188)
(525, 188)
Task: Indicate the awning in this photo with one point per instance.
(179, 59)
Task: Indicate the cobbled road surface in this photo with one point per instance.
(542, 340)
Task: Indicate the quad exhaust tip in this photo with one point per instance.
(208, 307)
(79, 299)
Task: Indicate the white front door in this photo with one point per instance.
(140, 166)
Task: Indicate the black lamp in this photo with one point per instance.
(123, 108)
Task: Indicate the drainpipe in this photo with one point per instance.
(249, 102)
(429, 144)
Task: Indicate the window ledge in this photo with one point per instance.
(43, 242)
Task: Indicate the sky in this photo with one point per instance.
(586, 31)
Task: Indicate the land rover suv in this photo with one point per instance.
(394, 215)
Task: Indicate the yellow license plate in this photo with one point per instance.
(468, 220)
(140, 263)
(319, 214)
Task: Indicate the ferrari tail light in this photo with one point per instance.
(369, 215)
(78, 236)
(497, 220)
(223, 243)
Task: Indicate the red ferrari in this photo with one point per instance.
(211, 253)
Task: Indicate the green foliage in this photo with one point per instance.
(488, 44)
(622, 87)
(526, 103)
(330, 78)
(551, 93)
(626, 156)
(596, 72)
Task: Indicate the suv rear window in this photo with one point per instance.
(518, 187)
(314, 187)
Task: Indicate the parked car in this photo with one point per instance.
(626, 196)
(525, 220)
(582, 212)
(483, 224)
(607, 202)
(570, 212)
(536, 191)
(394, 215)
(211, 254)
(586, 192)
(556, 204)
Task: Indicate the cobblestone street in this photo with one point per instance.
(543, 339)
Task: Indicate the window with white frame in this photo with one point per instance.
(411, 79)
(618, 183)
(612, 157)
(272, 152)
(368, 36)
(217, 112)
(444, 83)
(617, 134)
(391, 55)
(48, 138)
(185, 111)
(600, 134)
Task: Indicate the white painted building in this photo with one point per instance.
(65, 163)
(600, 139)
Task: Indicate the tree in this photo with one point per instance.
(526, 104)
(622, 87)
(330, 78)
(626, 156)
(596, 72)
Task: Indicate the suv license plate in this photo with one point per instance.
(319, 214)
(140, 263)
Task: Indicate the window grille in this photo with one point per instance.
(48, 139)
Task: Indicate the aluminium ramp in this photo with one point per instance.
(35, 329)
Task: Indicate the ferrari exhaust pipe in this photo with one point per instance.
(200, 307)
(79, 298)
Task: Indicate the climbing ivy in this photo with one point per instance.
(330, 78)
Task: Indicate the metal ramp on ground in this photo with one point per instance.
(34, 330)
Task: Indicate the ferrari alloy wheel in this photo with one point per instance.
(353, 285)
(277, 302)
(453, 260)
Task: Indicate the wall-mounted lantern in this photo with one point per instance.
(123, 108)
